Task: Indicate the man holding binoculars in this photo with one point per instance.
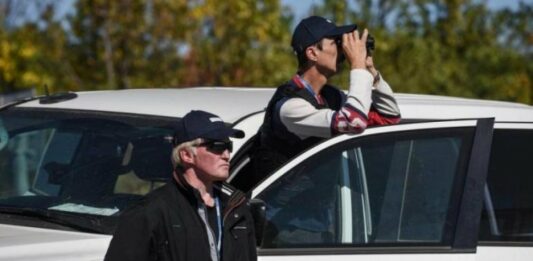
(307, 109)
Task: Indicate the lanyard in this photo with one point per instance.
(219, 225)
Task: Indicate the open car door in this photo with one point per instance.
(402, 192)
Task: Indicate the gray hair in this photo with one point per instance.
(189, 146)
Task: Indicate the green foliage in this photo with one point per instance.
(31, 57)
(241, 43)
(152, 43)
(447, 47)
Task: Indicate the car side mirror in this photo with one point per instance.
(258, 210)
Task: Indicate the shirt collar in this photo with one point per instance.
(301, 83)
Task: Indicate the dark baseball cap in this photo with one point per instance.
(312, 29)
(201, 124)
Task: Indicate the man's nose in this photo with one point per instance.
(226, 154)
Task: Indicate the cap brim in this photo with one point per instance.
(239, 134)
(340, 30)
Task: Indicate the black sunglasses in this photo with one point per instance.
(218, 146)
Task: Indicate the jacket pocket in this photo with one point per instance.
(239, 232)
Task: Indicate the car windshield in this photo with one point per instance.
(73, 167)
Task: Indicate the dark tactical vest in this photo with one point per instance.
(275, 136)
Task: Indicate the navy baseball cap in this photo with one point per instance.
(201, 124)
(312, 29)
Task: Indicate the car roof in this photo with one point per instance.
(417, 106)
(231, 104)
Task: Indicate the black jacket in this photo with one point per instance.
(166, 226)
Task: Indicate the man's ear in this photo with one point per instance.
(187, 157)
(311, 53)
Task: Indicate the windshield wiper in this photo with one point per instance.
(79, 222)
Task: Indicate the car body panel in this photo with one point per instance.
(19, 243)
(497, 253)
(376, 257)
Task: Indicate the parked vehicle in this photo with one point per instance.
(69, 164)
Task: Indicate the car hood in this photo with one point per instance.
(27, 243)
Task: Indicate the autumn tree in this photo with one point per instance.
(241, 43)
(448, 47)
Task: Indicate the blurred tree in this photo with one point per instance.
(107, 44)
(241, 43)
(449, 47)
(336, 10)
(23, 63)
(157, 43)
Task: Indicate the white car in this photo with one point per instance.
(69, 164)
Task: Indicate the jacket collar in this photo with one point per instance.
(229, 196)
(220, 189)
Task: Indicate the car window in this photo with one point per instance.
(82, 163)
(508, 212)
(389, 189)
(60, 146)
(20, 160)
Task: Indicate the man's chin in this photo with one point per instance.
(222, 176)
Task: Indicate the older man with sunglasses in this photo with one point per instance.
(196, 216)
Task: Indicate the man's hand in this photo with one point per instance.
(355, 49)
